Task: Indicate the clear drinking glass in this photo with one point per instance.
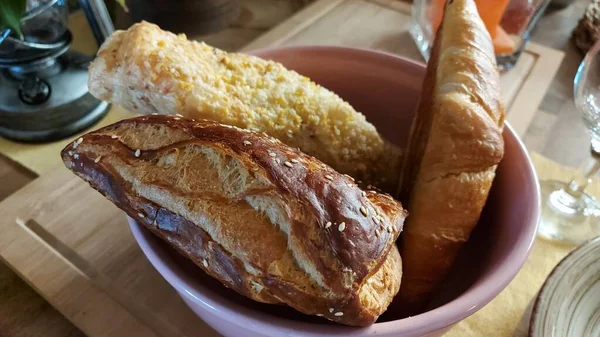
(569, 214)
(509, 23)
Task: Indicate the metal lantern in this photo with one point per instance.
(43, 84)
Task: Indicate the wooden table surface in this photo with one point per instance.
(557, 132)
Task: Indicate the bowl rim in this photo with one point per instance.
(439, 318)
(354, 51)
(558, 270)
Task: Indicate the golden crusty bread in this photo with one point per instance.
(267, 220)
(148, 70)
(455, 145)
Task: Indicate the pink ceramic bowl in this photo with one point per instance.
(386, 89)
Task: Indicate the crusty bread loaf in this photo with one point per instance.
(455, 145)
(268, 221)
(147, 70)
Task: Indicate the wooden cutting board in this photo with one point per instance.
(75, 248)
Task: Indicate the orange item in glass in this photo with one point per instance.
(517, 16)
(503, 44)
(435, 13)
(491, 12)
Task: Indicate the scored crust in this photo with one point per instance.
(268, 221)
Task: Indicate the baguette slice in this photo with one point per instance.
(268, 221)
(147, 70)
(455, 145)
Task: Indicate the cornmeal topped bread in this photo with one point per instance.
(147, 70)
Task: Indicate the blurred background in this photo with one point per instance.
(44, 101)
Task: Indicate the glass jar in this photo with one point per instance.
(509, 23)
(44, 27)
(45, 20)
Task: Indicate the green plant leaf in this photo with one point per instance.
(11, 12)
(122, 3)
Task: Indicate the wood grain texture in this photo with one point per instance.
(557, 131)
(256, 17)
(528, 97)
(12, 177)
(23, 312)
(83, 259)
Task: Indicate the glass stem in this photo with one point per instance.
(583, 176)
